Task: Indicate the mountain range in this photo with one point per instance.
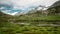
(9, 9)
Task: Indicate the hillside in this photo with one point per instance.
(28, 24)
(4, 17)
(56, 4)
(55, 7)
(38, 16)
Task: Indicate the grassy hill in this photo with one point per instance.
(13, 28)
(37, 17)
(4, 17)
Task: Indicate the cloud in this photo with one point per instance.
(26, 4)
(13, 13)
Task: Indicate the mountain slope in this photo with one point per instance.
(38, 16)
(56, 4)
(4, 17)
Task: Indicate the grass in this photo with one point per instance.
(13, 28)
(49, 17)
(9, 28)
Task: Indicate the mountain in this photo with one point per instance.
(9, 9)
(4, 17)
(31, 9)
(56, 4)
(55, 7)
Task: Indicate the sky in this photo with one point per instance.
(24, 5)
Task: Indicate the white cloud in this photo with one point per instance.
(1, 8)
(39, 8)
(23, 4)
(32, 2)
(6, 11)
(14, 13)
(27, 3)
